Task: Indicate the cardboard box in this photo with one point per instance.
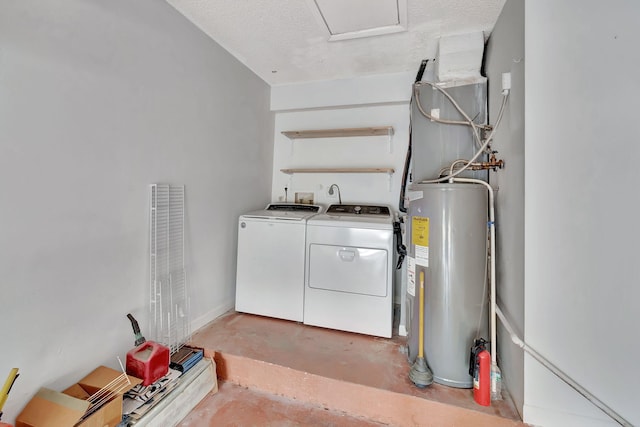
(49, 408)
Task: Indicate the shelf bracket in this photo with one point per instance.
(292, 143)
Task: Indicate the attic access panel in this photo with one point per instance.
(350, 19)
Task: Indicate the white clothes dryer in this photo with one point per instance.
(349, 270)
(270, 266)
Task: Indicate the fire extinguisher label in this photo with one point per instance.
(476, 377)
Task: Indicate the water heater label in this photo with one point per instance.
(411, 276)
(420, 231)
(422, 255)
(420, 239)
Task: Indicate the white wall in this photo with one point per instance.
(581, 205)
(342, 152)
(348, 103)
(505, 54)
(366, 90)
(98, 100)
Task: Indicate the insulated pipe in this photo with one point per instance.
(477, 136)
(453, 165)
(492, 242)
(556, 371)
(437, 119)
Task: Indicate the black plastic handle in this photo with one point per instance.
(134, 324)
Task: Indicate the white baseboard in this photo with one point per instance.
(212, 315)
(536, 416)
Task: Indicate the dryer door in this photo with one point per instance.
(348, 269)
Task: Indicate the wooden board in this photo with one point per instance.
(334, 133)
(338, 170)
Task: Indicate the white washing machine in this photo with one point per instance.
(349, 270)
(270, 267)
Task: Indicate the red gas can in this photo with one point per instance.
(149, 361)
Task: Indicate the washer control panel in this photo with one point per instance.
(359, 210)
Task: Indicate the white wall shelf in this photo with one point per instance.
(338, 170)
(340, 133)
(337, 133)
(388, 171)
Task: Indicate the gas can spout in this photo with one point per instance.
(136, 330)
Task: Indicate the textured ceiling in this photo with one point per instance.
(282, 41)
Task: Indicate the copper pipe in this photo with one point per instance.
(493, 163)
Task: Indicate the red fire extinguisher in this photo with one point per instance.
(480, 370)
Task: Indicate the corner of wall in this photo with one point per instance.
(212, 314)
(504, 52)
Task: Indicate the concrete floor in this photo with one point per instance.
(345, 372)
(241, 407)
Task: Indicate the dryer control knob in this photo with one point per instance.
(357, 209)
